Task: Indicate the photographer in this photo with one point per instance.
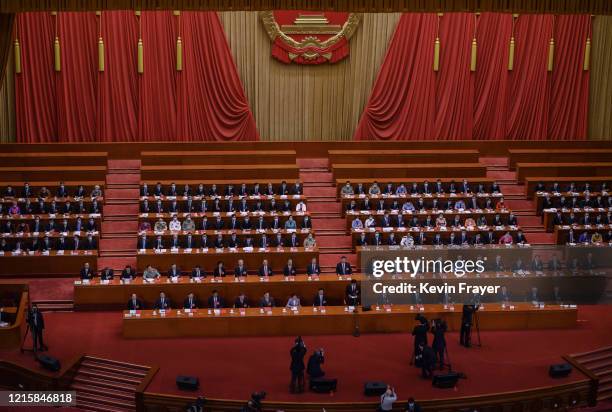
(297, 352)
(420, 336)
(254, 404)
(314, 364)
(438, 329)
(198, 405)
(37, 324)
(387, 399)
(466, 324)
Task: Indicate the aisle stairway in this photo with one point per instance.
(107, 385)
(599, 362)
(120, 217)
(327, 220)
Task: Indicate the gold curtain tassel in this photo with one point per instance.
(140, 57)
(179, 54)
(100, 54)
(17, 50)
(474, 55)
(436, 62)
(587, 55)
(551, 54)
(57, 54)
(176, 12)
(511, 55)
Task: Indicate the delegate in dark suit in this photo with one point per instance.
(37, 324)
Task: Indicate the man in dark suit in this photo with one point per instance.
(320, 299)
(343, 267)
(313, 269)
(86, 272)
(266, 301)
(240, 269)
(215, 301)
(190, 302)
(297, 353)
(197, 272)
(107, 274)
(174, 271)
(128, 273)
(134, 303)
(466, 324)
(163, 303)
(37, 325)
(241, 301)
(265, 269)
(352, 293)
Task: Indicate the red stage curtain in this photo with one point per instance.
(35, 102)
(528, 102)
(203, 102)
(212, 104)
(6, 36)
(398, 105)
(569, 98)
(77, 83)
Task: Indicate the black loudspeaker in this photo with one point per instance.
(447, 380)
(49, 362)
(323, 385)
(560, 370)
(187, 383)
(374, 388)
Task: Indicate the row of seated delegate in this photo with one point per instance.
(230, 189)
(37, 225)
(46, 243)
(217, 205)
(402, 189)
(44, 193)
(423, 203)
(232, 222)
(583, 235)
(27, 208)
(571, 187)
(225, 240)
(489, 236)
(548, 201)
(430, 220)
(581, 217)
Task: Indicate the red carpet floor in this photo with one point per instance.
(507, 361)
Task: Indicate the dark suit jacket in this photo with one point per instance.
(289, 271)
(107, 275)
(310, 271)
(243, 304)
(261, 271)
(269, 304)
(194, 303)
(131, 305)
(38, 316)
(158, 304)
(347, 269)
(220, 302)
(319, 301)
(87, 274)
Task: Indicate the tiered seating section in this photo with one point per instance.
(50, 214)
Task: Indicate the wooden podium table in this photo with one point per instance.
(335, 320)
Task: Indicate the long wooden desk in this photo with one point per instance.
(426, 170)
(11, 335)
(557, 155)
(336, 320)
(432, 214)
(564, 181)
(52, 265)
(536, 170)
(58, 173)
(277, 258)
(403, 156)
(218, 157)
(224, 171)
(53, 159)
(441, 201)
(306, 149)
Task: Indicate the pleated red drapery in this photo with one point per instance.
(205, 101)
(528, 102)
